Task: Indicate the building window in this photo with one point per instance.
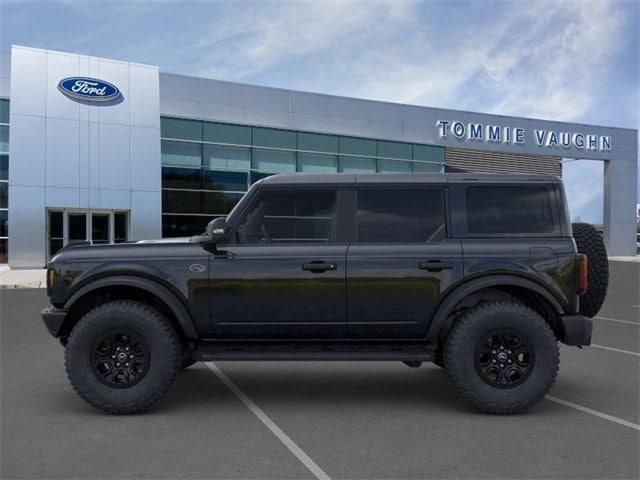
(393, 166)
(225, 133)
(184, 225)
(207, 165)
(181, 129)
(77, 226)
(4, 138)
(4, 180)
(394, 150)
(229, 158)
(274, 161)
(180, 153)
(357, 165)
(317, 163)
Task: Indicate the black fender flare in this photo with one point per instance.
(176, 306)
(459, 293)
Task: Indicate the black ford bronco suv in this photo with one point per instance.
(481, 274)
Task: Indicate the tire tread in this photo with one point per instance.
(165, 329)
(454, 354)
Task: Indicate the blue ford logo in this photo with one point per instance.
(89, 89)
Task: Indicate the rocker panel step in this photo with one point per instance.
(411, 352)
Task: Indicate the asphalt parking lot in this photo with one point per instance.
(328, 420)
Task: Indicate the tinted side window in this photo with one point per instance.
(389, 215)
(289, 217)
(513, 209)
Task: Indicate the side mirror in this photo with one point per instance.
(217, 230)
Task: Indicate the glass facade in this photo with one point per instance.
(4, 180)
(207, 166)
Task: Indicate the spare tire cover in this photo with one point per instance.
(590, 243)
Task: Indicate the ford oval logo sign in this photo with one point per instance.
(88, 89)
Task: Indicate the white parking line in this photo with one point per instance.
(591, 411)
(270, 424)
(619, 321)
(615, 350)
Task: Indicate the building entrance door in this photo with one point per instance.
(94, 226)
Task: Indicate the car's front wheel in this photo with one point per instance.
(502, 356)
(122, 356)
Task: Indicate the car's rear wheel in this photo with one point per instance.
(502, 356)
(122, 356)
(590, 243)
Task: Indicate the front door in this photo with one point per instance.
(401, 262)
(285, 276)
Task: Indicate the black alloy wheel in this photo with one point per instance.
(120, 359)
(504, 359)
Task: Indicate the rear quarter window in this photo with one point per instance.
(509, 210)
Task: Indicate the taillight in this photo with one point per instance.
(582, 262)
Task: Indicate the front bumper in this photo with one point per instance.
(577, 329)
(53, 319)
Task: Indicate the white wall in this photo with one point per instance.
(70, 154)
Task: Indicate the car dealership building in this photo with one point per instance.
(101, 150)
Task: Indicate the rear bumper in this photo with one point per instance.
(53, 319)
(577, 329)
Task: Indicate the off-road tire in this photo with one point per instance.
(589, 242)
(460, 359)
(162, 345)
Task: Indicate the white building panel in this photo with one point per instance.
(59, 66)
(115, 155)
(63, 153)
(28, 81)
(27, 142)
(145, 155)
(116, 73)
(144, 97)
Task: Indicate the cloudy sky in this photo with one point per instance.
(561, 60)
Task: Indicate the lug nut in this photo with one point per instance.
(113, 356)
(501, 365)
(509, 361)
(494, 360)
(130, 356)
(127, 349)
(126, 364)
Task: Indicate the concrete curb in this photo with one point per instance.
(23, 285)
(33, 278)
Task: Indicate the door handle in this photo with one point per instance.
(435, 266)
(318, 267)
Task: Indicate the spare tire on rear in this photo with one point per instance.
(590, 243)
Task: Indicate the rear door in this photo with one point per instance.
(401, 262)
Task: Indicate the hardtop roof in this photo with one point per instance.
(378, 179)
